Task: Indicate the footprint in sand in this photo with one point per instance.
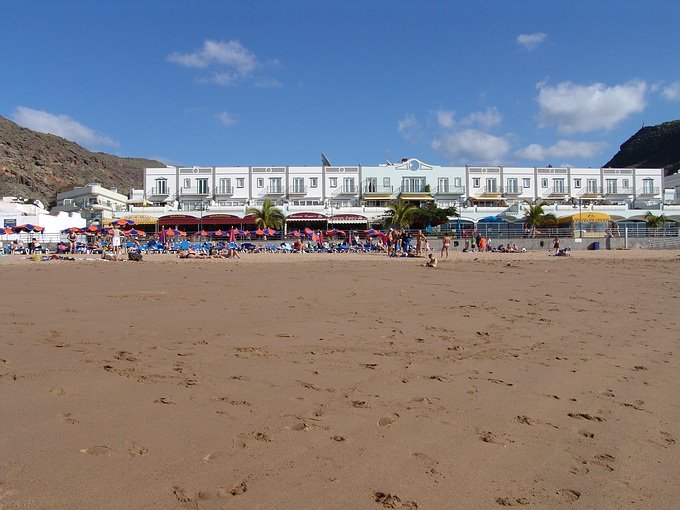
(67, 418)
(57, 391)
(137, 450)
(585, 416)
(512, 501)
(386, 421)
(568, 494)
(99, 451)
(393, 501)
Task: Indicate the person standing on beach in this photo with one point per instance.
(420, 240)
(556, 244)
(115, 241)
(446, 242)
(72, 238)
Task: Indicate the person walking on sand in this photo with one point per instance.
(420, 241)
(72, 238)
(446, 242)
(556, 244)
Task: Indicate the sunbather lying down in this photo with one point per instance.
(191, 254)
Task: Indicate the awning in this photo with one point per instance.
(141, 219)
(585, 217)
(348, 218)
(417, 196)
(211, 219)
(306, 216)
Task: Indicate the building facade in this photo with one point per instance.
(358, 194)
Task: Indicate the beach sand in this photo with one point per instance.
(341, 381)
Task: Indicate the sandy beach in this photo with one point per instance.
(287, 381)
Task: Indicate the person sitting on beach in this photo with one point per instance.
(190, 253)
(432, 262)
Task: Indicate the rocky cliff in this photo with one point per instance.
(651, 147)
(36, 165)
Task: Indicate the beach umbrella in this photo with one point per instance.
(77, 230)
(28, 228)
(308, 231)
(173, 232)
(134, 232)
(335, 232)
(259, 232)
(371, 232)
(243, 232)
(122, 222)
(7, 231)
(203, 233)
(219, 233)
(92, 229)
(269, 231)
(232, 235)
(295, 233)
(491, 219)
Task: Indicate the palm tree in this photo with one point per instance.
(535, 216)
(655, 222)
(400, 213)
(269, 216)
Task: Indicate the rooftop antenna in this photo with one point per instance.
(324, 160)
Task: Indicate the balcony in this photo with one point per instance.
(486, 192)
(297, 191)
(619, 192)
(197, 191)
(589, 192)
(648, 192)
(441, 191)
(346, 191)
(375, 191)
(224, 191)
(274, 191)
(511, 191)
(159, 192)
(556, 192)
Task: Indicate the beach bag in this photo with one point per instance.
(137, 257)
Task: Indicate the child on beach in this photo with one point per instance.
(432, 262)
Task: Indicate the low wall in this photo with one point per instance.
(586, 243)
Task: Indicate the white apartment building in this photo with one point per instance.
(357, 194)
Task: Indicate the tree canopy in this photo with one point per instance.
(268, 216)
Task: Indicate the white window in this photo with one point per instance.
(225, 185)
(313, 182)
(298, 185)
(591, 186)
(558, 185)
(648, 186)
(260, 182)
(275, 185)
(348, 185)
(611, 185)
(577, 183)
(475, 182)
(526, 182)
(457, 182)
(161, 187)
(624, 184)
(544, 183)
(333, 182)
(240, 182)
(443, 185)
(491, 185)
(512, 186)
(187, 183)
(386, 182)
(371, 185)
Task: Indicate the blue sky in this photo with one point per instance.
(479, 82)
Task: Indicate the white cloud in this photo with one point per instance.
(409, 126)
(61, 125)
(445, 118)
(473, 145)
(583, 108)
(226, 118)
(562, 149)
(485, 120)
(230, 59)
(671, 92)
(531, 41)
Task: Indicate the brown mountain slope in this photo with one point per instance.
(651, 147)
(36, 165)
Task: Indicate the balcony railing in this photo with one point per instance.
(224, 190)
(449, 190)
(274, 190)
(556, 191)
(619, 191)
(512, 191)
(650, 192)
(486, 191)
(195, 190)
(159, 192)
(378, 190)
(297, 190)
(346, 190)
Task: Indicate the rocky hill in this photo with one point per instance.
(651, 147)
(36, 165)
